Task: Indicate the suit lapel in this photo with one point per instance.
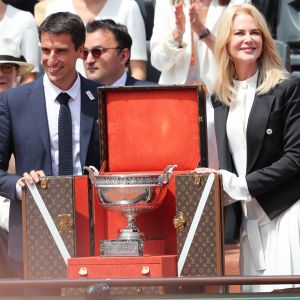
(37, 103)
(87, 118)
(257, 125)
(221, 114)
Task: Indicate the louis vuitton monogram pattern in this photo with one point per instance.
(42, 258)
(205, 257)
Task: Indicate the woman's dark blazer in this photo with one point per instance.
(273, 146)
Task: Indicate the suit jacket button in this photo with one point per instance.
(269, 131)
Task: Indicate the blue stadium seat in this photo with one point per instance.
(288, 30)
(284, 51)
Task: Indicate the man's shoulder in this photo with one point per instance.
(145, 83)
(22, 90)
(133, 81)
(89, 83)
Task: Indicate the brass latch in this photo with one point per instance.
(179, 221)
(44, 183)
(197, 179)
(64, 223)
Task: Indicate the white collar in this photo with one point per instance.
(121, 81)
(53, 91)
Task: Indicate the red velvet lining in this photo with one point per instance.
(147, 131)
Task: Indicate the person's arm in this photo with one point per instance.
(136, 29)
(287, 119)
(167, 42)
(235, 187)
(138, 69)
(180, 20)
(199, 28)
(7, 181)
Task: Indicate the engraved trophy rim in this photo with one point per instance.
(131, 194)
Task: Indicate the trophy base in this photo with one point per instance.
(144, 247)
(121, 248)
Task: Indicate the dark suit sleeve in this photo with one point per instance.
(7, 181)
(287, 167)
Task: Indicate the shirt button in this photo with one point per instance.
(269, 131)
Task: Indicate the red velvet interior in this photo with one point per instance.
(83, 247)
(147, 131)
(157, 224)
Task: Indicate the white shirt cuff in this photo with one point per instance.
(172, 44)
(4, 213)
(18, 191)
(236, 187)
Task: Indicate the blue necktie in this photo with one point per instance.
(65, 148)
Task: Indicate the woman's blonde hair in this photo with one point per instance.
(271, 70)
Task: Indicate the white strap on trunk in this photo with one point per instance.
(49, 221)
(195, 222)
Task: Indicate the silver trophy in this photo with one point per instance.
(131, 194)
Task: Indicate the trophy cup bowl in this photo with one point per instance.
(131, 194)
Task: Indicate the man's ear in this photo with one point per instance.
(80, 51)
(125, 54)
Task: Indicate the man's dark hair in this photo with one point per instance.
(119, 31)
(65, 22)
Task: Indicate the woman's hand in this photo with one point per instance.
(198, 13)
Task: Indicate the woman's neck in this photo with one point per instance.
(245, 71)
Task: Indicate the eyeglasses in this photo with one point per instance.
(7, 68)
(96, 52)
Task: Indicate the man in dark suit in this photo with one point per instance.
(107, 53)
(30, 116)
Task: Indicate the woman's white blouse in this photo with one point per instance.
(236, 186)
(236, 127)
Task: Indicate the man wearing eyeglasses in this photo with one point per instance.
(106, 54)
(37, 119)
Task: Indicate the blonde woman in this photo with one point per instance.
(257, 120)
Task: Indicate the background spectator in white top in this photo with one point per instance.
(125, 12)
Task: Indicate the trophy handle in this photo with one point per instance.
(167, 174)
(93, 172)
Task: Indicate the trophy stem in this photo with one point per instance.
(130, 232)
